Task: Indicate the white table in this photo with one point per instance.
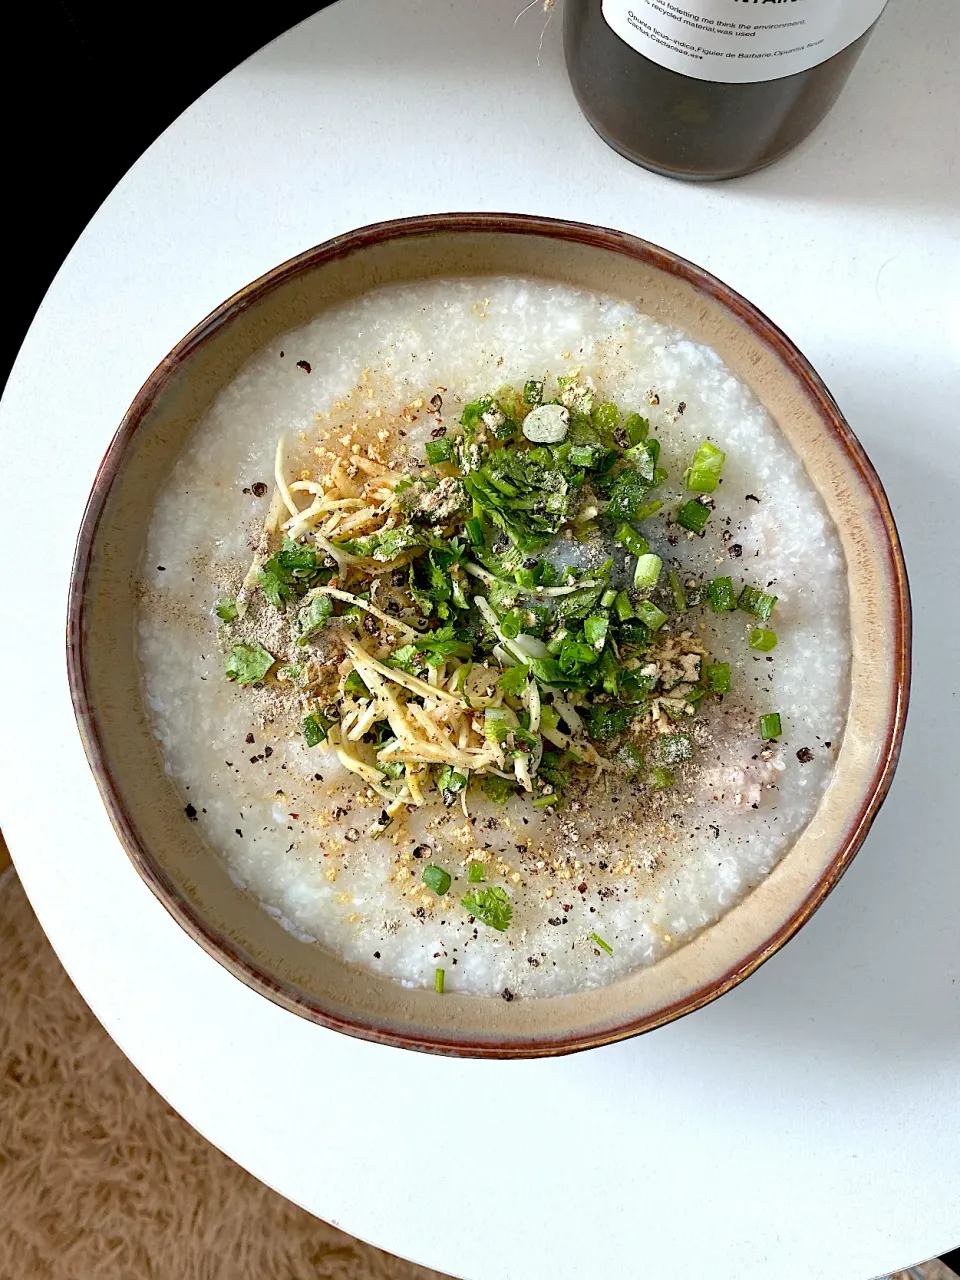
(805, 1125)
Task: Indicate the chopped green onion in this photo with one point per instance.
(723, 598)
(575, 652)
(679, 599)
(439, 450)
(626, 536)
(533, 392)
(608, 598)
(648, 510)
(314, 728)
(491, 906)
(717, 677)
(753, 600)
(763, 640)
(703, 473)
(595, 630)
(622, 606)
(604, 946)
(647, 571)
(475, 872)
(650, 615)
(693, 515)
(437, 879)
(661, 778)
(438, 982)
(770, 726)
(474, 529)
(544, 800)
(226, 608)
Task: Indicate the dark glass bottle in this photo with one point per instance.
(684, 127)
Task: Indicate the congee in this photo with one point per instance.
(494, 636)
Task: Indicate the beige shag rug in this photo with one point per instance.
(100, 1180)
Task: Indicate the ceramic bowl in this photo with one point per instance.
(148, 815)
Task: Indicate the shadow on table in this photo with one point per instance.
(911, 105)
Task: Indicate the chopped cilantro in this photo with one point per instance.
(313, 616)
(354, 686)
(475, 869)
(661, 778)
(636, 428)
(514, 679)
(384, 545)
(439, 450)
(403, 658)
(290, 573)
(626, 495)
(226, 608)
(437, 646)
(608, 719)
(524, 493)
(246, 664)
(629, 759)
(491, 906)
(533, 392)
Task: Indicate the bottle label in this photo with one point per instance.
(739, 41)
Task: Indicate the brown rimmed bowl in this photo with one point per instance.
(148, 815)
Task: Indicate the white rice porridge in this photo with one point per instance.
(637, 867)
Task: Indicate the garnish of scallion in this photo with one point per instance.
(770, 727)
(438, 981)
(762, 640)
(604, 946)
(693, 515)
(475, 873)
(647, 571)
(703, 473)
(437, 879)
